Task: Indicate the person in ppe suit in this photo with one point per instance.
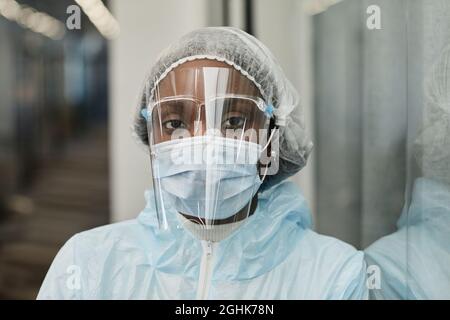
(224, 130)
(414, 261)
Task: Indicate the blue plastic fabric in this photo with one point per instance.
(414, 261)
(273, 255)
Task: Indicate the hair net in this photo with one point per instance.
(254, 60)
(433, 144)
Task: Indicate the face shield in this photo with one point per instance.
(208, 127)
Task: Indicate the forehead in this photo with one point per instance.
(199, 77)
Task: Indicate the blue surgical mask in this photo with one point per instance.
(207, 177)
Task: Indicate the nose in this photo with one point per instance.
(199, 127)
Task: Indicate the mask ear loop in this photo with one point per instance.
(272, 153)
(268, 141)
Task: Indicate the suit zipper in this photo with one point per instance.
(205, 270)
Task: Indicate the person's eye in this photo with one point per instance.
(234, 122)
(174, 124)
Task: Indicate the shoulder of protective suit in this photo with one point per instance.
(342, 265)
(109, 235)
(113, 229)
(81, 257)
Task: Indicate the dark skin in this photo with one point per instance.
(180, 84)
(187, 80)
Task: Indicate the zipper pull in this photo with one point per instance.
(208, 249)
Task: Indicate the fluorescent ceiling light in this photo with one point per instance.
(32, 19)
(100, 16)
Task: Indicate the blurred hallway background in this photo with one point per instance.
(54, 169)
(68, 161)
(69, 195)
